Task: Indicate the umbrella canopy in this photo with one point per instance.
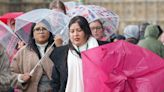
(8, 39)
(10, 15)
(122, 67)
(58, 22)
(71, 4)
(109, 19)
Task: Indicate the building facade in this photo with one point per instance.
(129, 11)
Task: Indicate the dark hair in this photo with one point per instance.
(120, 37)
(160, 30)
(99, 22)
(31, 42)
(132, 40)
(57, 4)
(84, 25)
(142, 28)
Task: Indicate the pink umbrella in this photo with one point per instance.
(122, 67)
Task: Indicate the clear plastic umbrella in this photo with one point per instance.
(8, 39)
(71, 4)
(109, 19)
(58, 23)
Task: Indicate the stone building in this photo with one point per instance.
(129, 11)
(134, 11)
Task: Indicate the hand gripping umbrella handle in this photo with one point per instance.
(33, 70)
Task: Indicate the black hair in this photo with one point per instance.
(120, 37)
(101, 23)
(31, 42)
(142, 28)
(160, 30)
(84, 25)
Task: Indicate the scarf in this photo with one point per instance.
(75, 71)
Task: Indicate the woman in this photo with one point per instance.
(98, 30)
(58, 5)
(67, 71)
(27, 58)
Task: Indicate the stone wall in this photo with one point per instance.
(134, 11)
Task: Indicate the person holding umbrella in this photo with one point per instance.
(59, 6)
(67, 73)
(31, 67)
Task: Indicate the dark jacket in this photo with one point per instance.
(60, 70)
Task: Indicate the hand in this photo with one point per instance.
(25, 77)
(58, 40)
(21, 44)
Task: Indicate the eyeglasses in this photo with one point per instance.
(40, 29)
(96, 28)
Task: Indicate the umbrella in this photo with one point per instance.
(122, 67)
(8, 39)
(58, 22)
(71, 4)
(10, 15)
(109, 19)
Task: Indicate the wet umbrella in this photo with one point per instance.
(109, 19)
(58, 23)
(8, 39)
(71, 4)
(122, 67)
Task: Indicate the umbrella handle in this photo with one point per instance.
(33, 70)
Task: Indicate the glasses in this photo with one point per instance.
(42, 29)
(96, 28)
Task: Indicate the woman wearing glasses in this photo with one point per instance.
(38, 48)
(67, 75)
(98, 30)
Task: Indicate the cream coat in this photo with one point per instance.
(24, 62)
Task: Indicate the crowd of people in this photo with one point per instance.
(44, 64)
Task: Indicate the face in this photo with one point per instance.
(41, 34)
(77, 35)
(97, 30)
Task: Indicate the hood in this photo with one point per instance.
(131, 31)
(151, 31)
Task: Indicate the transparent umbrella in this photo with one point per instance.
(58, 23)
(109, 19)
(8, 39)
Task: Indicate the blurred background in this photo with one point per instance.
(129, 11)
